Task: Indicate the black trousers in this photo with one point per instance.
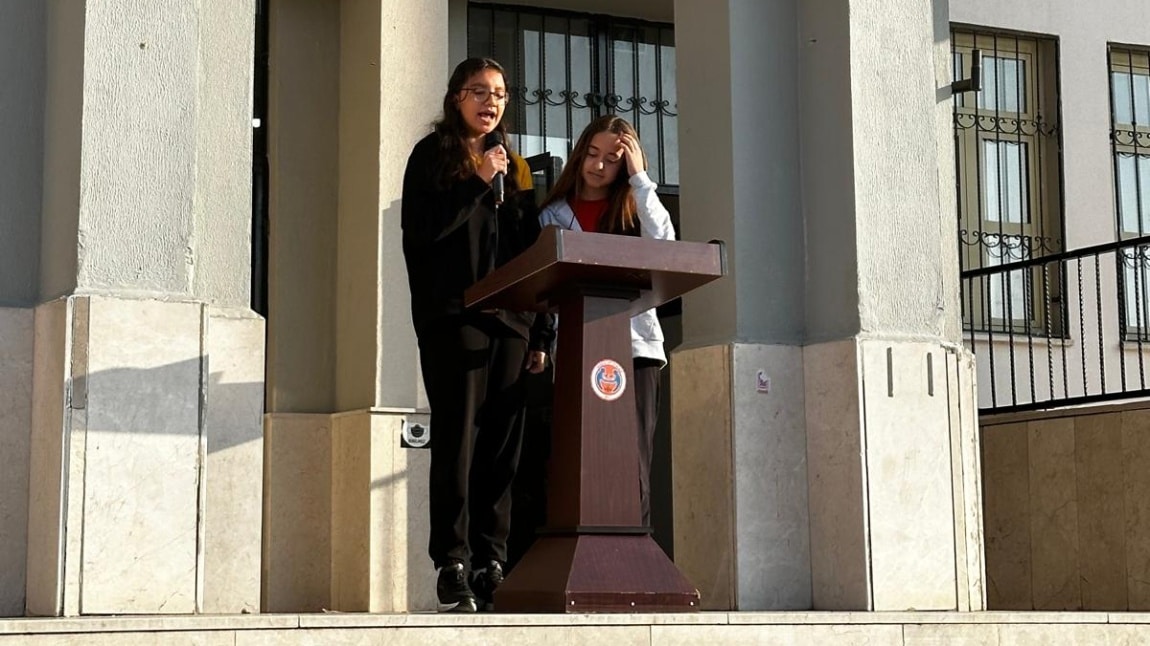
(473, 373)
(646, 379)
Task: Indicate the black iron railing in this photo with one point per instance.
(1061, 330)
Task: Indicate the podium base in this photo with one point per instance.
(596, 573)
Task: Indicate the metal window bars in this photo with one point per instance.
(566, 69)
(1008, 169)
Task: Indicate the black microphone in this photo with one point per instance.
(492, 140)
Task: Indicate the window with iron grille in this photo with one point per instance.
(1130, 145)
(565, 69)
(1008, 165)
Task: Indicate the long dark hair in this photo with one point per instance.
(621, 215)
(457, 163)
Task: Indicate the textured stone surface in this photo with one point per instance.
(839, 549)
(966, 458)
(1006, 475)
(45, 521)
(772, 533)
(703, 473)
(142, 456)
(233, 467)
(909, 484)
(1136, 473)
(379, 516)
(296, 560)
(1101, 512)
(16, 356)
(1054, 516)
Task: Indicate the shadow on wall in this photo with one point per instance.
(170, 400)
(153, 453)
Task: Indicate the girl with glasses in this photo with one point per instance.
(455, 233)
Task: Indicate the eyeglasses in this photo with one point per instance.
(480, 94)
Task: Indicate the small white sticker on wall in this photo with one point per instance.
(414, 436)
(762, 382)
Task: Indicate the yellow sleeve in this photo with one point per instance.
(523, 174)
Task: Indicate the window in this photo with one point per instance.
(565, 69)
(1009, 191)
(1130, 143)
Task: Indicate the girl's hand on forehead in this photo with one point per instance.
(630, 150)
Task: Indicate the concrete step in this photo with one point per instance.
(710, 628)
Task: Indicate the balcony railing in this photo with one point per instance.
(1061, 330)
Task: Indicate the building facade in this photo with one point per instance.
(206, 359)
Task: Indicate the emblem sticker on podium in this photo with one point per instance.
(608, 380)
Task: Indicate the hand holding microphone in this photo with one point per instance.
(494, 167)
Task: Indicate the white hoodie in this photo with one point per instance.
(654, 222)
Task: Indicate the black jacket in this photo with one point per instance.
(451, 239)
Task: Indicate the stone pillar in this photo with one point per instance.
(303, 157)
(379, 514)
(824, 379)
(21, 137)
(146, 458)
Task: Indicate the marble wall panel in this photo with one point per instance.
(1006, 476)
(296, 574)
(233, 465)
(703, 473)
(772, 531)
(46, 478)
(406, 579)
(909, 482)
(1136, 486)
(142, 456)
(1054, 515)
(840, 571)
(1101, 512)
(16, 360)
(351, 512)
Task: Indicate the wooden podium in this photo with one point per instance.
(593, 555)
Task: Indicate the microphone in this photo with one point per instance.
(490, 141)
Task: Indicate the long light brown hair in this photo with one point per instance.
(621, 215)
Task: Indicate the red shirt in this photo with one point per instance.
(589, 212)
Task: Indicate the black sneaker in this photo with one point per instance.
(454, 593)
(484, 581)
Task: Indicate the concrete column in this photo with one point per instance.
(22, 34)
(379, 515)
(742, 536)
(378, 489)
(825, 376)
(146, 451)
(384, 109)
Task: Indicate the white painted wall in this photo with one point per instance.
(138, 149)
(905, 240)
(1083, 31)
(148, 130)
(223, 191)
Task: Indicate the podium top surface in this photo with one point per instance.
(562, 259)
